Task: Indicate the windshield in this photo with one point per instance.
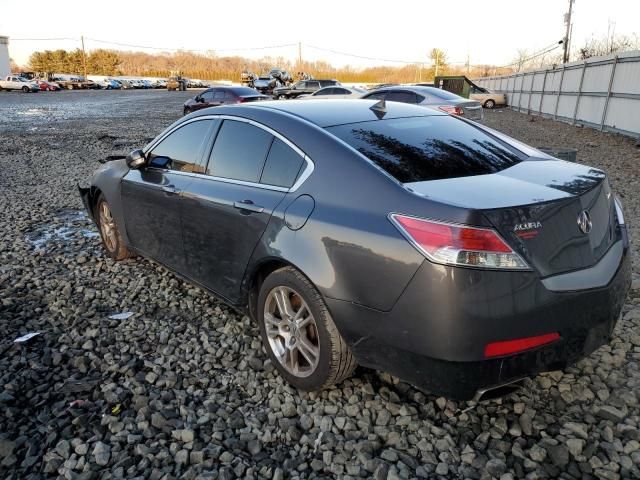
(428, 148)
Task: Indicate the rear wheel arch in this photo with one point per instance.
(257, 276)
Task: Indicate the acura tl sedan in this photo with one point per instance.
(430, 97)
(387, 235)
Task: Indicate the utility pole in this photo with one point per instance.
(567, 35)
(468, 66)
(84, 57)
(300, 56)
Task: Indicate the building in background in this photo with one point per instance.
(5, 68)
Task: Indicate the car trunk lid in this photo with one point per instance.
(535, 206)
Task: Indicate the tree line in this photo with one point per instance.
(209, 66)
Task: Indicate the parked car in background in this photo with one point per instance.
(15, 82)
(463, 261)
(487, 98)
(381, 85)
(214, 97)
(335, 92)
(430, 97)
(303, 87)
(47, 86)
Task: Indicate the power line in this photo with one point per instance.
(44, 39)
(269, 47)
(364, 57)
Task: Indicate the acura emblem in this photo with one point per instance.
(584, 222)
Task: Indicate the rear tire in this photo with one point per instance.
(111, 239)
(490, 104)
(298, 332)
(25, 89)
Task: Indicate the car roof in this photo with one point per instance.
(332, 112)
(411, 88)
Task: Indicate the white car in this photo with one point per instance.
(15, 82)
(335, 92)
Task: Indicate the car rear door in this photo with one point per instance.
(228, 208)
(152, 195)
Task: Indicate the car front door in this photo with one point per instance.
(152, 195)
(227, 210)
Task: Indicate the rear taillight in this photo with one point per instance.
(241, 99)
(462, 245)
(509, 347)
(451, 110)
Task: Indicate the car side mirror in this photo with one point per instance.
(199, 99)
(136, 159)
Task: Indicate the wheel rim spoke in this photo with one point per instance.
(284, 304)
(308, 350)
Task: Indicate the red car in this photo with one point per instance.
(44, 85)
(214, 97)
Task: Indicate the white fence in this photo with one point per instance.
(601, 92)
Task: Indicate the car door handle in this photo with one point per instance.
(170, 189)
(248, 205)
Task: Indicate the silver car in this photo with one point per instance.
(335, 91)
(430, 97)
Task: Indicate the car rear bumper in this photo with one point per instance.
(435, 335)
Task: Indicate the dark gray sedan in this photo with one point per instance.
(391, 236)
(430, 97)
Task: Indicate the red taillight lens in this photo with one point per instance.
(458, 244)
(509, 347)
(241, 99)
(451, 110)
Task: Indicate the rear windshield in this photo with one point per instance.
(428, 148)
(244, 91)
(436, 92)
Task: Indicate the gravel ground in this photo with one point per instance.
(182, 389)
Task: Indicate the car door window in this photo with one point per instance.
(181, 150)
(402, 96)
(218, 96)
(376, 96)
(207, 96)
(283, 165)
(341, 91)
(239, 151)
(313, 85)
(229, 96)
(325, 91)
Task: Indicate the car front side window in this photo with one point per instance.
(181, 149)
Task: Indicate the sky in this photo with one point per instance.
(489, 31)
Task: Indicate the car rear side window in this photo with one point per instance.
(376, 96)
(219, 95)
(239, 151)
(282, 166)
(404, 97)
(428, 148)
(182, 147)
(229, 96)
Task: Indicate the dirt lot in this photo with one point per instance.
(182, 389)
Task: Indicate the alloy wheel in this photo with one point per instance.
(291, 331)
(107, 227)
